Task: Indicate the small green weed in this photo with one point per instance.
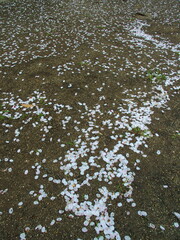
(3, 116)
(123, 135)
(71, 143)
(176, 135)
(140, 132)
(101, 27)
(37, 117)
(24, 116)
(40, 115)
(5, 111)
(41, 100)
(155, 76)
(121, 188)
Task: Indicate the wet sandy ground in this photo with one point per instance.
(89, 120)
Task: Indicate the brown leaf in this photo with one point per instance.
(27, 105)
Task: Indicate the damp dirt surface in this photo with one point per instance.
(90, 120)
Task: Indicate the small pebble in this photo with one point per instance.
(151, 225)
(177, 215)
(52, 222)
(127, 238)
(142, 213)
(43, 230)
(22, 236)
(119, 204)
(162, 228)
(158, 152)
(176, 224)
(10, 210)
(84, 229)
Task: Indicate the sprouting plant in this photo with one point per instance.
(5, 111)
(41, 100)
(4, 115)
(176, 135)
(140, 132)
(37, 117)
(121, 188)
(71, 143)
(123, 135)
(83, 63)
(155, 76)
(40, 115)
(101, 27)
(24, 116)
